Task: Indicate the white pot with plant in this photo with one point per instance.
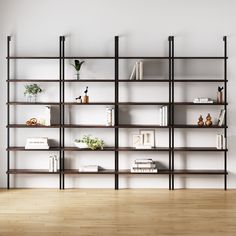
(77, 65)
(89, 142)
(31, 92)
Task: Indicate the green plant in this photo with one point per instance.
(92, 143)
(77, 65)
(32, 89)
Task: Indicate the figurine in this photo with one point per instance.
(32, 122)
(200, 122)
(220, 94)
(85, 97)
(79, 99)
(208, 121)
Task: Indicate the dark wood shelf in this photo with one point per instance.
(33, 80)
(31, 57)
(31, 171)
(200, 104)
(33, 103)
(201, 58)
(199, 149)
(142, 126)
(201, 80)
(89, 104)
(132, 149)
(26, 150)
(87, 126)
(32, 126)
(200, 172)
(144, 80)
(88, 80)
(72, 149)
(197, 127)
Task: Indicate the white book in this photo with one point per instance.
(161, 116)
(144, 170)
(36, 146)
(144, 165)
(143, 147)
(218, 141)
(165, 115)
(132, 77)
(221, 117)
(141, 70)
(88, 168)
(143, 161)
(51, 164)
(137, 70)
(224, 142)
(48, 113)
(55, 164)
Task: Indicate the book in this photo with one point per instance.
(143, 165)
(221, 117)
(137, 161)
(220, 141)
(48, 113)
(164, 116)
(149, 170)
(137, 70)
(132, 77)
(37, 143)
(141, 70)
(88, 168)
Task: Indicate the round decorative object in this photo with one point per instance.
(32, 121)
(208, 120)
(200, 122)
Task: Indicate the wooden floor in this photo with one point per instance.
(125, 212)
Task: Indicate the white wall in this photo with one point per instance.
(143, 27)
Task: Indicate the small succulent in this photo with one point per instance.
(77, 65)
(220, 88)
(32, 89)
(92, 143)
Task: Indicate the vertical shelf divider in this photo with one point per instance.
(169, 111)
(60, 110)
(172, 114)
(63, 110)
(225, 107)
(116, 112)
(8, 111)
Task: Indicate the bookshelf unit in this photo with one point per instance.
(171, 171)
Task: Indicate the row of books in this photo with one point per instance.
(137, 72)
(144, 166)
(164, 116)
(53, 164)
(220, 141)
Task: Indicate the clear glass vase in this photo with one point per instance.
(31, 97)
(77, 75)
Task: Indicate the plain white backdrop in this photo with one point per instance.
(143, 27)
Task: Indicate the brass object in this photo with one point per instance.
(208, 121)
(200, 122)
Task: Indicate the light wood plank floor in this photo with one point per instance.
(45, 212)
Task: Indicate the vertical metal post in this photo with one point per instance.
(63, 109)
(225, 107)
(116, 112)
(60, 111)
(169, 112)
(172, 113)
(8, 111)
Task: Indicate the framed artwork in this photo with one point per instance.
(137, 140)
(148, 137)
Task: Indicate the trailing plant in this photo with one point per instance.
(32, 89)
(77, 65)
(92, 143)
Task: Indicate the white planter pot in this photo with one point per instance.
(81, 145)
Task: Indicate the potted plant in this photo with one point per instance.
(77, 67)
(89, 142)
(31, 91)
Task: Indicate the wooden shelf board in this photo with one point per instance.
(75, 171)
(200, 172)
(199, 149)
(200, 80)
(31, 171)
(88, 150)
(197, 127)
(26, 150)
(128, 172)
(33, 80)
(200, 104)
(33, 103)
(32, 126)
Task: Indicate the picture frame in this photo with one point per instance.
(148, 137)
(137, 140)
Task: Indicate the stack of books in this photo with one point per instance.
(53, 164)
(144, 166)
(37, 143)
(137, 72)
(220, 141)
(164, 116)
(89, 168)
(202, 100)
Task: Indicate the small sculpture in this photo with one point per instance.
(220, 94)
(79, 99)
(85, 97)
(200, 122)
(208, 120)
(32, 122)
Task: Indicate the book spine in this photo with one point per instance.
(51, 164)
(137, 70)
(132, 77)
(48, 115)
(140, 70)
(161, 116)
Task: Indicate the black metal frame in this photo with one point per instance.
(171, 172)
